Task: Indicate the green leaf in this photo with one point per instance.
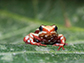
(14, 50)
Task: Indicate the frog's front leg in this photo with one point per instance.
(61, 42)
(29, 39)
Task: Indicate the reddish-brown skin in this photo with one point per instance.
(48, 38)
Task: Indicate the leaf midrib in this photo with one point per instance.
(44, 52)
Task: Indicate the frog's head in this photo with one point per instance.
(47, 32)
(48, 29)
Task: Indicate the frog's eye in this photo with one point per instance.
(56, 28)
(40, 28)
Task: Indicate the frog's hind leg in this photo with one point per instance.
(29, 39)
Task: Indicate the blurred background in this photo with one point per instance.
(56, 11)
(20, 17)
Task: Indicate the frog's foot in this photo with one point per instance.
(39, 44)
(60, 45)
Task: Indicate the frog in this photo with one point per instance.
(46, 35)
